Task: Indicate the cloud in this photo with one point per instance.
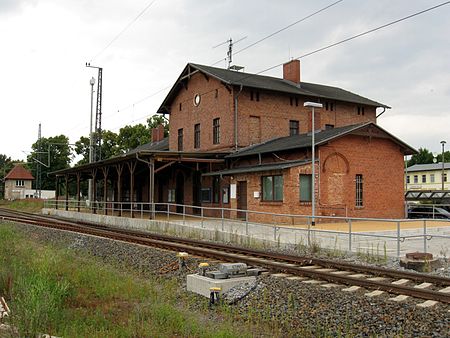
(46, 44)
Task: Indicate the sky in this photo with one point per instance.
(45, 45)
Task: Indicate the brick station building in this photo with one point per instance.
(243, 141)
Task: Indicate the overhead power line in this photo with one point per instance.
(359, 35)
(322, 48)
(282, 29)
(124, 29)
(241, 50)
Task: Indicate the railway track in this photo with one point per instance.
(404, 283)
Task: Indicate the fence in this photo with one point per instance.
(389, 237)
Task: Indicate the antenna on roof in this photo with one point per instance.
(229, 57)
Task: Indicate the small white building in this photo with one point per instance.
(17, 181)
(18, 185)
(427, 177)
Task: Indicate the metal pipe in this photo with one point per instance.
(443, 165)
(236, 119)
(313, 146)
(377, 116)
(91, 142)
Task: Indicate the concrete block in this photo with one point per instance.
(400, 281)
(375, 293)
(310, 267)
(428, 303)
(423, 286)
(446, 290)
(338, 273)
(351, 288)
(399, 298)
(329, 285)
(200, 284)
(377, 279)
(358, 275)
(313, 281)
(296, 278)
(280, 275)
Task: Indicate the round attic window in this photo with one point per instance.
(197, 99)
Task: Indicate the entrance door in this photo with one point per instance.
(241, 198)
(179, 192)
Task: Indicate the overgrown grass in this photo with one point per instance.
(27, 205)
(62, 293)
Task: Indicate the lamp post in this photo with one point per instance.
(91, 141)
(313, 160)
(443, 164)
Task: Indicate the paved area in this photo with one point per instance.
(374, 237)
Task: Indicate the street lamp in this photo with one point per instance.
(443, 163)
(91, 141)
(313, 105)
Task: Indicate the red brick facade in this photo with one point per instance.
(262, 115)
(372, 154)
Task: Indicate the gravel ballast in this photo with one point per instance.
(289, 307)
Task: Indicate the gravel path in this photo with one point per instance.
(289, 308)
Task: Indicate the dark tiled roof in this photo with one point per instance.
(304, 141)
(19, 173)
(259, 168)
(281, 85)
(162, 145)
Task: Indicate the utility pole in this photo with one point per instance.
(91, 140)
(98, 114)
(443, 165)
(38, 165)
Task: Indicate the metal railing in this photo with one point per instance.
(367, 235)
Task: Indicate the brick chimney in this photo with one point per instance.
(291, 71)
(158, 133)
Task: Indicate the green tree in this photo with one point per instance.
(446, 157)
(155, 120)
(82, 148)
(48, 155)
(424, 156)
(5, 166)
(109, 147)
(132, 136)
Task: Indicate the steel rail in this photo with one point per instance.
(228, 256)
(379, 271)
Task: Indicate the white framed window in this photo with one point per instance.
(305, 188)
(359, 190)
(272, 188)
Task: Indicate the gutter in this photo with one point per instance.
(377, 116)
(236, 119)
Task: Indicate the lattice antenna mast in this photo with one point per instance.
(230, 43)
(38, 165)
(230, 52)
(98, 115)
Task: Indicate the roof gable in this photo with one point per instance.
(19, 173)
(322, 137)
(266, 83)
